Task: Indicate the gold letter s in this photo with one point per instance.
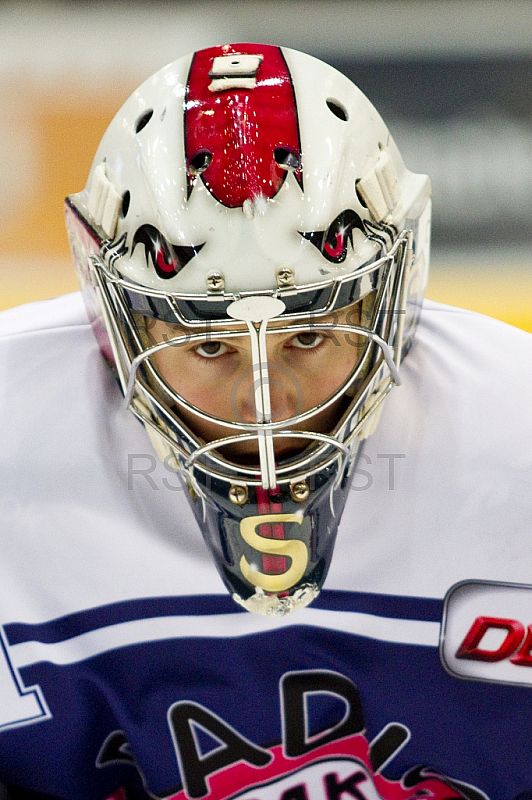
(296, 550)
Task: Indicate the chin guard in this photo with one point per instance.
(273, 552)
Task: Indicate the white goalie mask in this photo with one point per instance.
(253, 254)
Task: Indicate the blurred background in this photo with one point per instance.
(452, 78)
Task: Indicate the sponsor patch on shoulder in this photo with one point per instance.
(487, 632)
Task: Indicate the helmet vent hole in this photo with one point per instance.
(126, 199)
(360, 196)
(199, 162)
(143, 120)
(287, 159)
(337, 109)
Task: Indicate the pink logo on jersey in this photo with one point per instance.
(335, 771)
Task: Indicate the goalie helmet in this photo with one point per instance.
(243, 194)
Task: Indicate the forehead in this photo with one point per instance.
(350, 315)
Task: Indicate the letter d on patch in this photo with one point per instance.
(486, 632)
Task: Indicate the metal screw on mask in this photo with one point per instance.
(285, 277)
(215, 282)
(238, 495)
(299, 491)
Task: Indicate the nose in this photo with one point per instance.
(279, 389)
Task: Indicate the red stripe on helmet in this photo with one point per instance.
(233, 133)
(271, 564)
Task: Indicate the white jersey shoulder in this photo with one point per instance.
(59, 312)
(441, 492)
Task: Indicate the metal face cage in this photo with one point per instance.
(258, 315)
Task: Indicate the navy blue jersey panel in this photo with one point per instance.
(118, 710)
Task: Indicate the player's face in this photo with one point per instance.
(216, 375)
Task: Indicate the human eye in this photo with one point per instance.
(307, 340)
(211, 349)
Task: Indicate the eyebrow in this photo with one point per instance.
(279, 323)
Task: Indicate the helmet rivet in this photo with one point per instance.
(238, 495)
(299, 491)
(285, 277)
(215, 282)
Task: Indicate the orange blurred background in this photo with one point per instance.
(50, 128)
(58, 143)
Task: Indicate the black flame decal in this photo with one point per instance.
(168, 259)
(332, 243)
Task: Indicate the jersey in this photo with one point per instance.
(127, 671)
